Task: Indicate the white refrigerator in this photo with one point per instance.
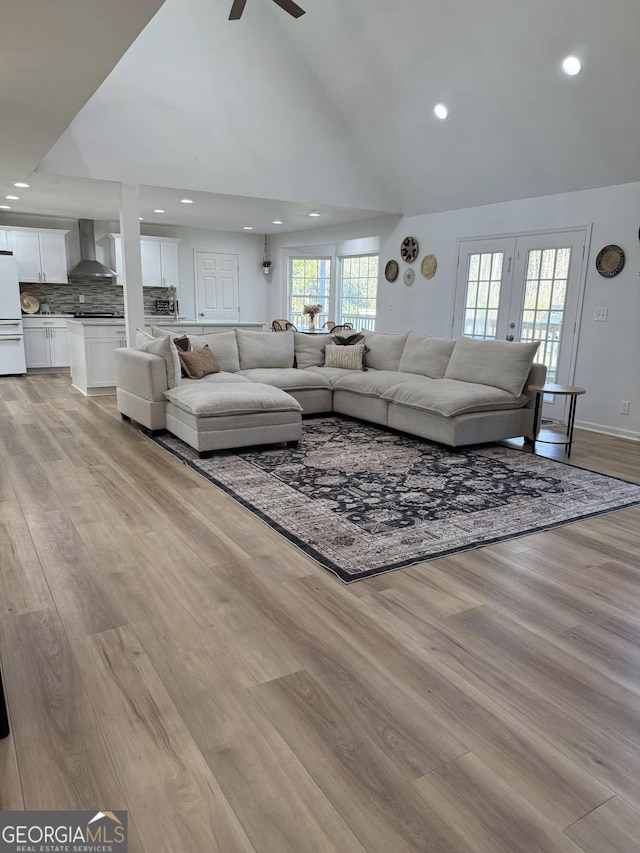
(11, 337)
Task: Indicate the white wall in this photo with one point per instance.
(608, 361)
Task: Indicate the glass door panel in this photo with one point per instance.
(524, 289)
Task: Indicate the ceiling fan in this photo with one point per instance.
(288, 5)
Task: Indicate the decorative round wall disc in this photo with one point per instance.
(409, 249)
(409, 276)
(610, 261)
(429, 266)
(391, 271)
(29, 303)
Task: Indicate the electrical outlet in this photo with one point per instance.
(624, 407)
(601, 314)
(81, 298)
(390, 306)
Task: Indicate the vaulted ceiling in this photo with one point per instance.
(336, 108)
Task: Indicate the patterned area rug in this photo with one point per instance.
(362, 501)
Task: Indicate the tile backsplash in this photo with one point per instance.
(99, 296)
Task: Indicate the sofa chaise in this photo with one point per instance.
(456, 392)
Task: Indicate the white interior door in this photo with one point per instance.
(217, 287)
(526, 288)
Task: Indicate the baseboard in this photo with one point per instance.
(608, 430)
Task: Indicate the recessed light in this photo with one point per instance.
(248, 227)
(313, 213)
(21, 184)
(13, 197)
(186, 201)
(278, 222)
(571, 65)
(141, 218)
(441, 111)
(5, 207)
(159, 210)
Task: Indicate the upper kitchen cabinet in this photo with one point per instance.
(41, 254)
(159, 259)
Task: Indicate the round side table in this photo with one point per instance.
(548, 436)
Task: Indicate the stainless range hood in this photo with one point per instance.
(88, 266)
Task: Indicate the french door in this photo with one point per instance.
(525, 288)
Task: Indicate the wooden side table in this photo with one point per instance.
(548, 436)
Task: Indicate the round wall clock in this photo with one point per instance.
(610, 261)
(391, 271)
(409, 249)
(409, 277)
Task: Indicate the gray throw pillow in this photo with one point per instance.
(502, 364)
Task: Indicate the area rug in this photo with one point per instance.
(362, 500)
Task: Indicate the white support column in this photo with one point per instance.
(131, 260)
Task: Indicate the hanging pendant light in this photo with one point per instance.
(266, 262)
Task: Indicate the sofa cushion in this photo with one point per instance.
(449, 397)
(286, 378)
(265, 349)
(385, 351)
(426, 355)
(502, 364)
(374, 383)
(234, 397)
(166, 349)
(222, 378)
(347, 357)
(309, 349)
(199, 363)
(223, 345)
(331, 373)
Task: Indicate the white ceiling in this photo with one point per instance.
(333, 111)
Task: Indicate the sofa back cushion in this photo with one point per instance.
(309, 349)
(502, 364)
(166, 349)
(385, 351)
(223, 345)
(265, 349)
(426, 356)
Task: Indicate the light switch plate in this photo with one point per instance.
(601, 314)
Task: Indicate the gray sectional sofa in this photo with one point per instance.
(456, 392)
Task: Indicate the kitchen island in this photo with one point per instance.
(92, 342)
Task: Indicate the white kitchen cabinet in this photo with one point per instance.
(46, 342)
(92, 366)
(158, 258)
(41, 254)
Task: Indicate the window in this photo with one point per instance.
(357, 291)
(347, 296)
(310, 284)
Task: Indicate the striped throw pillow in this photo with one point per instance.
(349, 358)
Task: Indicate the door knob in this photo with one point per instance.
(201, 314)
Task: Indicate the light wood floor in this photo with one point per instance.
(166, 653)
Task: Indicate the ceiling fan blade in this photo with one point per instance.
(237, 9)
(290, 7)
